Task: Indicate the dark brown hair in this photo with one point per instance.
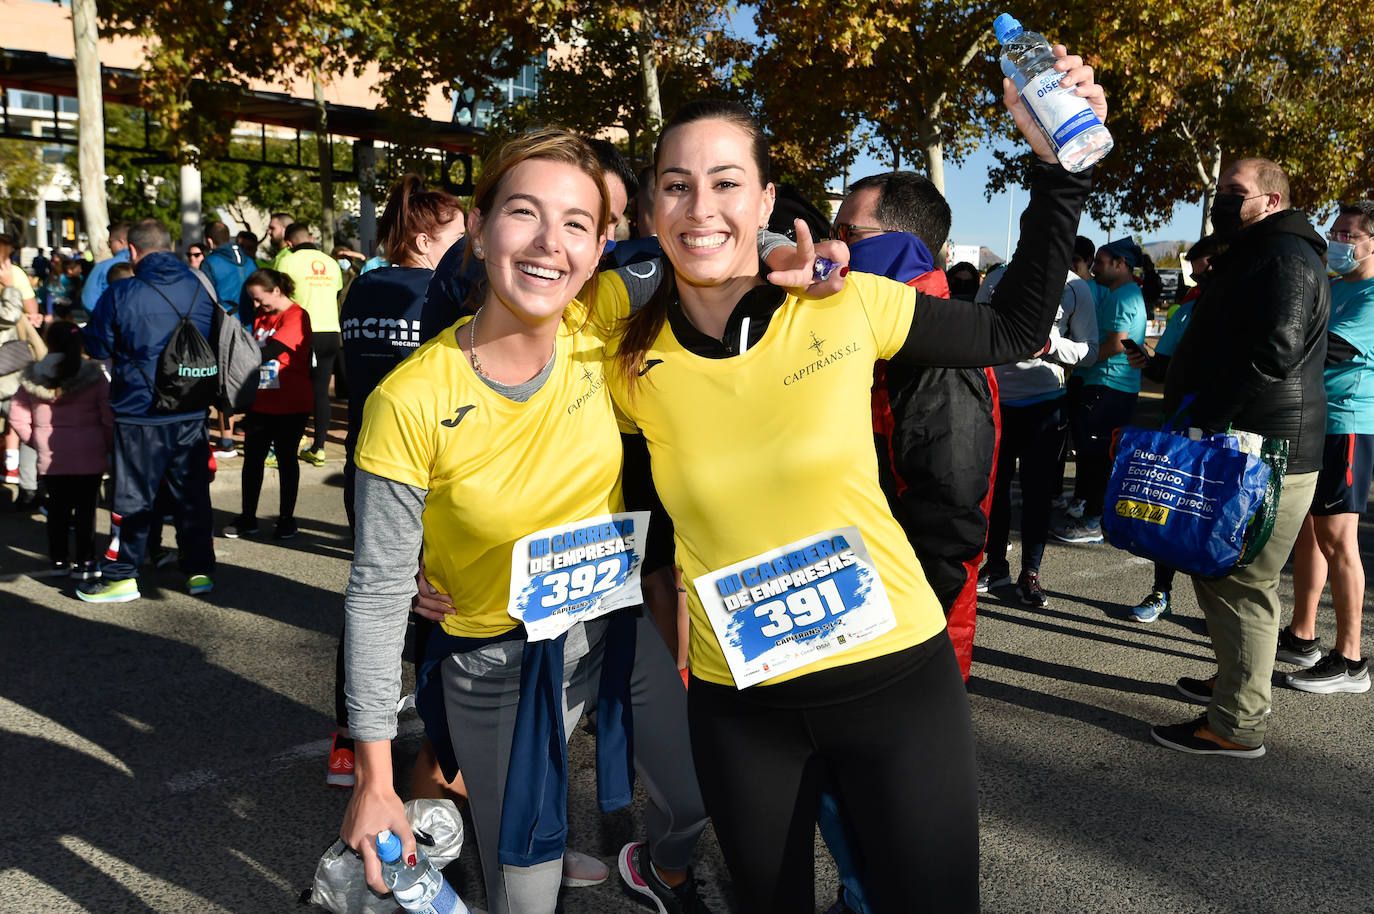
(267, 280)
(640, 329)
(412, 210)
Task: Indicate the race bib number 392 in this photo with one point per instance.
(789, 607)
(577, 572)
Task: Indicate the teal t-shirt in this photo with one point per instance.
(1121, 311)
(1178, 322)
(1350, 385)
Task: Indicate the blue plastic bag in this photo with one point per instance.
(1183, 503)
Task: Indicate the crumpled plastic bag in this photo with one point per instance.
(340, 885)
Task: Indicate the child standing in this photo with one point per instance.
(62, 410)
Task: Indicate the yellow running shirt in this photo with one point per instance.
(757, 451)
(318, 282)
(495, 470)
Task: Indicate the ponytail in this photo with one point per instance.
(268, 279)
(412, 210)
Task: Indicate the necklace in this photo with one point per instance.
(477, 363)
(472, 346)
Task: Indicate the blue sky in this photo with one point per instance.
(981, 221)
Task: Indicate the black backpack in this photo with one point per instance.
(188, 370)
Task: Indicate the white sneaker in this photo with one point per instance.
(581, 870)
(226, 453)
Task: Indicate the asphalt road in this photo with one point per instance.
(169, 754)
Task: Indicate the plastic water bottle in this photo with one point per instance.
(420, 889)
(1077, 135)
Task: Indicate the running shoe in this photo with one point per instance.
(993, 574)
(226, 453)
(1198, 690)
(56, 570)
(1333, 673)
(341, 763)
(1028, 590)
(86, 571)
(122, 591)
(640, 878)
(1185, 738)
(1085, 531)
(271, 460)
(199, 583)
(581, 870)
(286, 529)
(240, 526)
(314, 457)
(1152, 607)
(1301, 651)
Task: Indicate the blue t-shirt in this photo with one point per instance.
(1350, 384)
(1178, 322)
(1119, 310)
(380, 326)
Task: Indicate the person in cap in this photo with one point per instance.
(1110, 385)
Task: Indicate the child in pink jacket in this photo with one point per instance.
(62, 410)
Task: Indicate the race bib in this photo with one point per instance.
(787, 608)
(577, 572)
(268, 375)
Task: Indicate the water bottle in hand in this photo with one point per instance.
(420, 889)
(1077, 135)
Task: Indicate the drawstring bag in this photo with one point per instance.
(1202, 504)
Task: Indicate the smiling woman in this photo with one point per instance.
(493, 452)
(818, 649)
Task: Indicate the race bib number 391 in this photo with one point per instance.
(787, 608)
(577, 572)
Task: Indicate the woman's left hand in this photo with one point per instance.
(1077, 76)
(794, 268)
(429, 602)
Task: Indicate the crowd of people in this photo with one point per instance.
(577, 437)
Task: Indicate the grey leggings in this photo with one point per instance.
(481, 693)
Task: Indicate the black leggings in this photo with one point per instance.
(281, 431)
(72, 502)
(892, 736)
(324, 352)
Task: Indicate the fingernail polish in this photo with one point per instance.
(410, 861)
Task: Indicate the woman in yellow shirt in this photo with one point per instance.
(818, 650)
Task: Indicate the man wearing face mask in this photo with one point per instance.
(1252, 359)
(1328, 545)
(936, 429)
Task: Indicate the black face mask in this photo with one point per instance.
(1226, 213)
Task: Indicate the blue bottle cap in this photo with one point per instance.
(1006, 27)
(388, 846)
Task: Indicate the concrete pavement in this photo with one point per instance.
(169, 754)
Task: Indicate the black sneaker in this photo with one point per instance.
(241, 526)
(1333, 673)
(640, 878)
(993, 574)
(286, 529)
(1303, 652)
(1184, 738)
(1198, 690)
(1028, 590)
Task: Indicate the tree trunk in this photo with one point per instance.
(90, 105)
(326, 156)
(648, 70)
(934, 147)
(1209, 190)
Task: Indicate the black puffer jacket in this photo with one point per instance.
(1254, 351)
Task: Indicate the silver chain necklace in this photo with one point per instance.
(472, 346)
